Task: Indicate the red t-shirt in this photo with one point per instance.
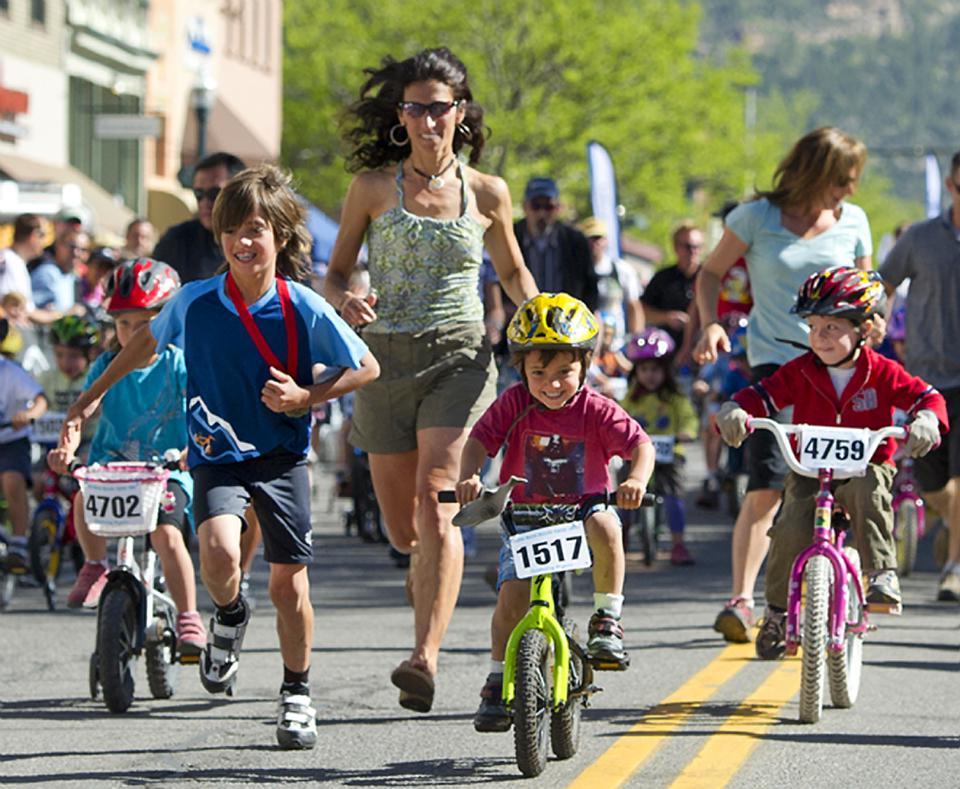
(563, 454)
(735, 291)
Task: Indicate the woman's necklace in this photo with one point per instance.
(435, 182)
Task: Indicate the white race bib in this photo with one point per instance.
(663, 446)
(834, 447)
(123, 506)
(46, 429)
(550, 550)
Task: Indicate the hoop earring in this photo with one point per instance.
(392, 135)
(465, 132)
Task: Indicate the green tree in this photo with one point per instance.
(551, 76)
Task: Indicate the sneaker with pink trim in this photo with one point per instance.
(89, 584)
(191, 634)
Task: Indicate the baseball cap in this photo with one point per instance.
(541, 187)
(593, 227)
(73, 214)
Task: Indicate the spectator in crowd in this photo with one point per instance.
(92, 285)
(557, 254)
(618, 284)
(54, 280)
(140, 238)
(190, 246)
(27, 245)
(669, 293)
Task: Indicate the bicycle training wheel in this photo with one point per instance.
(845, 667)
(159, 655)
(906, 528)
(565, 723)
(531, 704)
(116, 638)
(816, 576)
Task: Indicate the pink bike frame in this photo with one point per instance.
(825, 542)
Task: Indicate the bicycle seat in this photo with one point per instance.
(488, 505)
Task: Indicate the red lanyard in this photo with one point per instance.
(289, 323)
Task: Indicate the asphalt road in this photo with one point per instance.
(689, 712)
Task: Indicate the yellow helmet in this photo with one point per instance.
(552, 321)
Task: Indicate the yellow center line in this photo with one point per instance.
(632, 749)
(733, 742)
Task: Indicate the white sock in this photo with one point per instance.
(496, 666)
(613, 603)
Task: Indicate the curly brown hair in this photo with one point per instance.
(371, 118)
(268, 189)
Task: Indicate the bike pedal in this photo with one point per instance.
(600, 664)
(189, 659)
(891, 609)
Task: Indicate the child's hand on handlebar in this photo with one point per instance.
(630, 493)
(732, 423)
(59, 459)
(469, 489)
(924, 434)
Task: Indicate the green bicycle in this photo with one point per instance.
(547, 674)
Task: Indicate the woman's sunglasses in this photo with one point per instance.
(436, 109)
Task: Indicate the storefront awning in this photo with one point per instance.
(107, 213)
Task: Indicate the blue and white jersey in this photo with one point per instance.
(226, 420)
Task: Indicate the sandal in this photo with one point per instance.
(416, 687)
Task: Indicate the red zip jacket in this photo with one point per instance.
(878, 386)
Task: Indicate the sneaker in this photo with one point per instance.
(492, 715)
(605, 642)
(949, 590)
(709, 498)
(18, 556)
(883, 592)
(735, 620)
(221, 655)
(89, 584)
(191, 634)
(771, 640)
(680, 556)
(296, 722)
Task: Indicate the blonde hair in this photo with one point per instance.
(267, 189)
(818, 161)
(13, 298)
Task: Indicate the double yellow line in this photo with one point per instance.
(725, 751)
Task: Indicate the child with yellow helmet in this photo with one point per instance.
(560, 436)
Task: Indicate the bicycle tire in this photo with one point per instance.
(906, 530)
(565, 723)
(8, 583)
(648, 534)
(845, 668)
(814, 641)
(115, 639)
(159, 655)
(42, 547)
(531, 704)
(941, 546)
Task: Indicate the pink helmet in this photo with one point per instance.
(651, 343)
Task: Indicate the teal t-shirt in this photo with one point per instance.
(779, 261)
(144, 413)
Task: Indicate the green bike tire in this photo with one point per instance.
(532, 702)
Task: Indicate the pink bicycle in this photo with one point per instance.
(834, 617)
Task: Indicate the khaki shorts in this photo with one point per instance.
(443, 377)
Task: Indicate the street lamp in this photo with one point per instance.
(202, 96)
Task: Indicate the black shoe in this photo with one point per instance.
(709, 498)
(492, 715)
(771, 640)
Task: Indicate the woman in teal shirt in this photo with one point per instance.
(801, 226)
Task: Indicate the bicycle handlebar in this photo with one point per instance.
(781, 431)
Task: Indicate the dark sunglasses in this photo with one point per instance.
(691, 247)
(436, 109)
(210, 194)
(544, 205)
(77, 248)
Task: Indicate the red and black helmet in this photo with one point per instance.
(141, 284)
(843, 293)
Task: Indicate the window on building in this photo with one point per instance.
(38, 11)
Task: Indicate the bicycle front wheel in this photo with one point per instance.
(816, 576)
(116, 638)
(845, 667)
(531, 704)
(906, 528)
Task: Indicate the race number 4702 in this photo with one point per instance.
(117, 507)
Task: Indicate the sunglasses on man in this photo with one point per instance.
(544, 205)
(436, 109)
(207, 194)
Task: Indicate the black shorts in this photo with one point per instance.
(15, 456)
(278, 486)
(935, 469)
(765, 464)
(173, 509)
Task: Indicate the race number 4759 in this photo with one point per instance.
(550, 550)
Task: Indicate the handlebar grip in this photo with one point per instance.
(447, 496)
(649, 500)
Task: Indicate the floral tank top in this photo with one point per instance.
(425, 270)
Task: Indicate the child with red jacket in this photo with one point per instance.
(839, 381)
